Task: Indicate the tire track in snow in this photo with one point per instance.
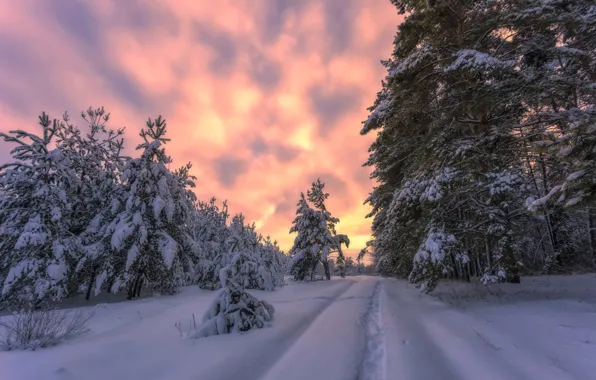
(374, 354)
(257, 363)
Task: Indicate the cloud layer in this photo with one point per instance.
(262, 96)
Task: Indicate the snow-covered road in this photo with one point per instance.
(359, 328)
(430, 340)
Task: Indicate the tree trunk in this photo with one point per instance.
(139, 287)
(131, 289)
(489, 263)
(90, 284)
(511, 267)
(478, 266)
(109, 284)
(592, 226)
(312, 271)
(327, 272)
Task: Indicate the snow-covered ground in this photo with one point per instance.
(353, 328)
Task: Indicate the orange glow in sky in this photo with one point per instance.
(262, 96)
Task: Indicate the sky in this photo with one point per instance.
(262, 96)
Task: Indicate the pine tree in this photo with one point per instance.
(486, 104)
(272, 261)
(328, 241)
(216, 243)
(342, 263)
(35, 243)
(559, 57)
(245, 241)
(449, 170)
(350, 267)
(155, 215)
(359, 264)
(305, 251)
(95, 159)
(316, 237)
(209, 232)
(75, 216)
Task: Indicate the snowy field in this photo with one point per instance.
(354, 328)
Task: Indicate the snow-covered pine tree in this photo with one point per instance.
(274, 260)
(94, 157)
(76, 215)
(547, 39)
(359, 263)
(242, 236)
(144, 234)
(327, 241)
(350, 268)
(557, 65)
(244, 241)
(305, 252)
(342, 264)
(209, 231)
(35, 242)
(316, 234)
(235, 310)
(559, 69)
(555, 46)
(179, 227)
(449, 172)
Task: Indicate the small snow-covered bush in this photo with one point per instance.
(30, 329)
(233, 308)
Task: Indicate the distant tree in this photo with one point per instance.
(329, 240)
(316, 237)
(273, 260)
(359, 263)
(209, 231)
(341, 262)
(347, 267)
(306, 249)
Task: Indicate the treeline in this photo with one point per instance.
(77, 216)
(486, 141)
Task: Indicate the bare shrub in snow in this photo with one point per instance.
(30, 330)
(185, 331)
(233, 308)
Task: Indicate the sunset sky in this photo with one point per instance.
(262, 96)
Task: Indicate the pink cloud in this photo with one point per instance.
(261, 96)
